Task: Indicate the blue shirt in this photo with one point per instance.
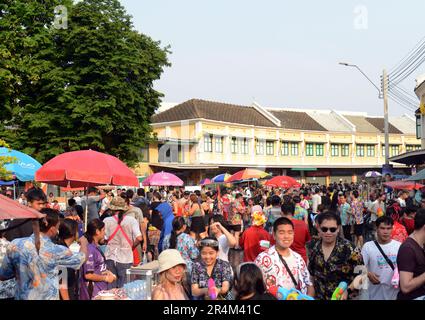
(37, 274)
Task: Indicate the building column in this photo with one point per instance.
(200, 146)
(302, 148)
(328, 148)
(353, 149)
(226, 145)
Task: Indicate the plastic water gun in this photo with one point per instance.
(379, 212)
(288, 294)
(396, 278)
(211, 289)
(339, 291)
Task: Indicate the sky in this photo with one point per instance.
(281, 53)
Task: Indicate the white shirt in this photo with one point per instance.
(376, 263)
(118, 249)
(401, 202)
(223, 248)
(77, 200)
(317, 200)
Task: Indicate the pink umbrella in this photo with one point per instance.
(163, 179)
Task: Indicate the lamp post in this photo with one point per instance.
(383, 94)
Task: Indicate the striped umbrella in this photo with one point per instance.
(221, 178)
(248, 174)
(205, 181)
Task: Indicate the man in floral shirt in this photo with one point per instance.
(332, 259)
(281, 266)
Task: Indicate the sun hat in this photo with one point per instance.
(168, 259)
(118, 204)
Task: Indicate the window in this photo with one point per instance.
(334, 150)
(294, 148)
(244, 146)
(360, 150)
(259, 146)
(208, 143)
(370, 150)
(285, 148)
(144, 154)
(345, 150)
(219, 144)
(418, 147)
(319, 149)
(270, 148)
(412, 147)
(395, 149)
(234, 145)
(309, 149)
(383, 150)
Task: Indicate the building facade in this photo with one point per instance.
(199, 139)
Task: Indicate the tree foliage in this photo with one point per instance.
(5, 174)
(87, 86)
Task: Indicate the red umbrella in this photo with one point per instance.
(247, 174)
(86, 168)
(283, 182)
(404, 185)
(11, 209)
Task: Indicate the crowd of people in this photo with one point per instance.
(309, 239)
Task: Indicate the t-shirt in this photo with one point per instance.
(118, 248)
(376, 263)
(411, 258)
(316, 200)
(223, 248)
(92, 209)
(95, 264)
(250, 242)
(344, 211)
(377, 208)
(357, 211)
(301, 237)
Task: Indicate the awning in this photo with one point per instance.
(304, 169)
(410, 158)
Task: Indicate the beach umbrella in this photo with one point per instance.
(86, 168)
(220, 178)
(205, 181)
(24, 167)
(283, 182)
(372, 174)
(248, 174)
(403, 185)
(163, 179)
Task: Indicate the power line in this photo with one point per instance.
(400, 102)
(402, 62)
(409, 70)
(411, 95)
(396, 91)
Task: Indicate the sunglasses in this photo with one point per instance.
(332, 230)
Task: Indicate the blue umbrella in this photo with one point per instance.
(24, 167)
(221, 178)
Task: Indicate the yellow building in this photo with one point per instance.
(199, 139)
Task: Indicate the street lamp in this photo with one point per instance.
(383, 94)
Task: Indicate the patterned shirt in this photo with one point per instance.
(187, 248)
(339, 267)
(37, 274)
(221, 272)
(357, 207)
(344, 213)
(275, 273)
(8, 287)
(300, 212)
(399, 232)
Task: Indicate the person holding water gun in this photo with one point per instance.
(332, 259)
(281, 266)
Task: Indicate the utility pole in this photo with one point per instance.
(386, 126)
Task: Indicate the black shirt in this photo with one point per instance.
(156, 219)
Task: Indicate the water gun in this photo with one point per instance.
(211, 289)
(339, 291)
(379, 212)
(396, 278)
(288, 294)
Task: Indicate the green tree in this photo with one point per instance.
(5, 174)
(94, 88)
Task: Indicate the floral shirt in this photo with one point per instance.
(275, 273)
(399, 232)
(221, 272)
(357, 207)
(8, 287)
(339, 267)
(300, 212)
(37, 274)
(187, 248)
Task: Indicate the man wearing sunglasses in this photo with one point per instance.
(332, 259)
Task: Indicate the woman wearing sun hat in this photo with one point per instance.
(172, 268)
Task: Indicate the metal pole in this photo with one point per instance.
(385, 92)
